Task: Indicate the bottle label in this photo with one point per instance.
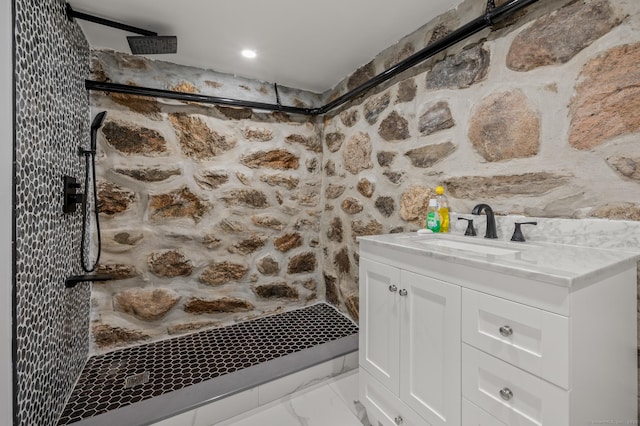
(444, 219)
(433, 222)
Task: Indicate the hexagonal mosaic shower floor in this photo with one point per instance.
(119, 378)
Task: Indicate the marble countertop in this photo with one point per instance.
(560, 264)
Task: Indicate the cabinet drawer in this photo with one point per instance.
(383, 407)
(513, 396)
(530, 338)
(472, 415)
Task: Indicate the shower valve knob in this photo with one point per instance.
(76, 198)
(71, 197)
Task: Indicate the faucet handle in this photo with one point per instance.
(471, 231)
(517, 232)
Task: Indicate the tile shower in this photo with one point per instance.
(52, 343)
(174, 364)
(372, 164)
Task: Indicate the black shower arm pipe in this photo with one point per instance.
(491, 16)
(107, 22)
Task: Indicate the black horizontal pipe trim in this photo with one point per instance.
(507, 9)
(192, 97)
(107, 22)
(489, 18)
(413, 60)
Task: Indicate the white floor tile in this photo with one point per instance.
(184, 419)
(320, 406)
(301, 380)
(233, 405)
(346, 386)
(351, 361)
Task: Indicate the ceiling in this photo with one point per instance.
(300, 44)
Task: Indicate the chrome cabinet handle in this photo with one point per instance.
(393, 288)
(506, 331)
(403, 292)
(398, 420)
(506, 394)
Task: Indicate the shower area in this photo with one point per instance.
(207, 220)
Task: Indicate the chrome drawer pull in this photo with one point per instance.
(506, 394)
(393, 288)
(398, 420)
(403, 292)
(506, 331)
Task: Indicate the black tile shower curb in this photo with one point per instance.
(170, 404)
(189, 371)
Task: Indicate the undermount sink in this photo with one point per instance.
(470, 246)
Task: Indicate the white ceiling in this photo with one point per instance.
(300, 44)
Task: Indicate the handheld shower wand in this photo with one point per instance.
(91, 154)
(95, 125)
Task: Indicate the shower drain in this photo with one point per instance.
(136, 379)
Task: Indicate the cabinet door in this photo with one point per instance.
(430, 348)
(379, 317)
(383, 407)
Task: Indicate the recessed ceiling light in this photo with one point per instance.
(248, 53)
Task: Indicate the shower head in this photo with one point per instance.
(95, 125)
(150, 43)
(153, 45)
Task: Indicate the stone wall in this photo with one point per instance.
(209, 214)
(540, 116)
(212, 214)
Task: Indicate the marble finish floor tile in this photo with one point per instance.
(346, 386)
(320, 405)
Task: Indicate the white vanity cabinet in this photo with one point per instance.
(410, 344)
(459, 339)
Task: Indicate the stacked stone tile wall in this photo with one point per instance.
(539, 116)
(212, 214)
(209, 214)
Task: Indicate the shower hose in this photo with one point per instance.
(87, 155)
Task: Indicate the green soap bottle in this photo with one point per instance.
(433, 216)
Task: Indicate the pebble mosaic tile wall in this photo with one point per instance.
(52, 120)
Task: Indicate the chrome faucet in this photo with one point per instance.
(491, 220)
